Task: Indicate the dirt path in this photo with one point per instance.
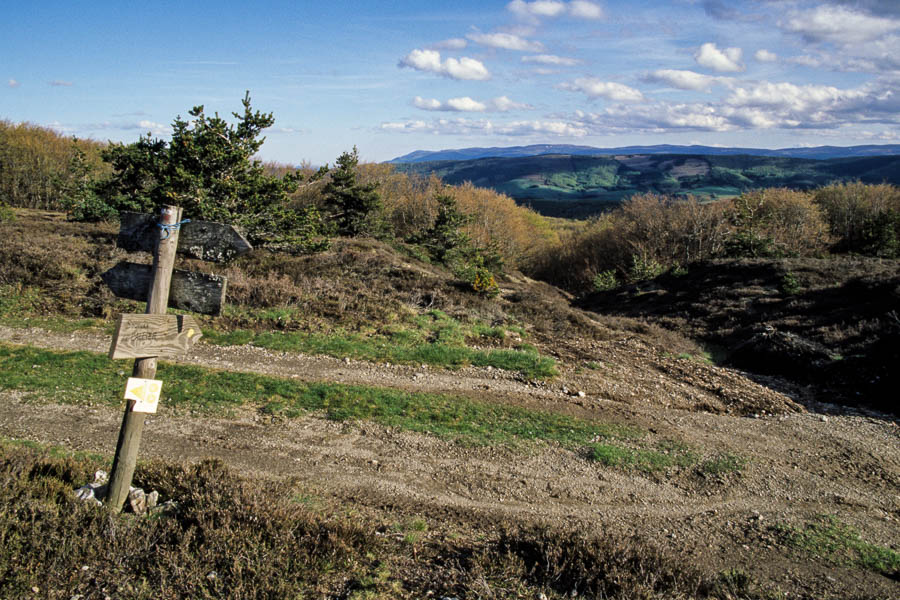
(799, 464)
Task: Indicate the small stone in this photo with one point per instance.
(346, 360)
(823, 418)
(581, 394)
(138, 501)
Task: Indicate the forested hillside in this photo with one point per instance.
(579, 186)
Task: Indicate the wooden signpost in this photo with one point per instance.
(149, 336)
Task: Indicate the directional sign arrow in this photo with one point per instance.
(197, 292)
(145, 393)
(205, 240)
(142, 336)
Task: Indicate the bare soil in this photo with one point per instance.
(804, 459)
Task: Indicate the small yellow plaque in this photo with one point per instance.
(145, 393)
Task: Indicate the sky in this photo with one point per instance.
(394, 77)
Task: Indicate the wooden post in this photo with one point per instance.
(145, 368)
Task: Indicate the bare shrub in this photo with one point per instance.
(648, 234)
(863, 218)
(777, 222)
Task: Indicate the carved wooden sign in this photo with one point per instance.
(197, 292)
(204, 240)
(140, 336)
(213, 242)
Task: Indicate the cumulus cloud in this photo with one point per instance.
(765, 56)
(451, 44)
(466, 104)
(533, 11)
(540, 8)
(13, 83)
(724, 61)
(684, 80)
(506, 41)
(486, 127)
(585, 10)
(597, 88)
(60, 83)
(757, 106)
(430, 62)
(839, 25)
(551, 59)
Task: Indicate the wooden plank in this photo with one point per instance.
(196, 292)
(206, 240)
(142, 336)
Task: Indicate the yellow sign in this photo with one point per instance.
(145, 393)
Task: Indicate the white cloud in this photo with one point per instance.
(551, 59)
(533, 11)
(507, 41)
(488, 128)
(585, 10)
(597, 88)
(504, 104)
(466, 104)
(725, 61)
(684, 80)
(839, 25)
(427, 103)
(541, 8)
(765, 56)
(430, 61)
(13, 83)
(788, 97)
(451, 44)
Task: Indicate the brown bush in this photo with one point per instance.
(647, 234)
(35, 164)
(778, 222)
(862, 218)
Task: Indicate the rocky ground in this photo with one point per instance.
(804, 459)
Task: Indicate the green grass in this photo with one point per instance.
(664, 455)
(83, 377)
(722, 464)
(433, 338)
(830, 539)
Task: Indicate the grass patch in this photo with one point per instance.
(434, 339)
(662, 456)
(83, 377)
(722, 464)
(828, 538)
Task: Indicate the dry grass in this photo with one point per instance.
(227, 537)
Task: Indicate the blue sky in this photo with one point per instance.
(393, 77)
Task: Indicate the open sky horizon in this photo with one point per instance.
(394, 77)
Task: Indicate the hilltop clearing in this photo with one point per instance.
(439, 442)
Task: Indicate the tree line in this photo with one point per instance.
(209, 167)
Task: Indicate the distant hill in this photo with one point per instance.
(578, 185)
(818, 152)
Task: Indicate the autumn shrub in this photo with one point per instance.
(6, 213)
(35, 164)
(777, 222)
(862, 218)
(643, 238)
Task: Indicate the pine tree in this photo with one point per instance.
(356, 208)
